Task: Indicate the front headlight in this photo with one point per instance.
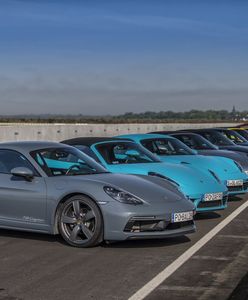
(122, 196)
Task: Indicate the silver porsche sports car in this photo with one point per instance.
(56, 189)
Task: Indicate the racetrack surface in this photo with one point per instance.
(36, 266)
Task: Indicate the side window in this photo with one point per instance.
(124, 154)
(227, 135)
(119, 152)
(10, 159)
(57, 162)
(209, 137)
(187, 141)
(149, 145)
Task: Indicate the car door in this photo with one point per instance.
(22, 202)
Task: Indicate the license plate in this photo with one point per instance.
(182, 217)
(213, 196)
(238, 182)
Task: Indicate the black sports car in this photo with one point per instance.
(204, 147)
(218, 139)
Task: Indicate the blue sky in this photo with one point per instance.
(100, 57)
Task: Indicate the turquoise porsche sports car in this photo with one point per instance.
(204, 189)
(171, 150)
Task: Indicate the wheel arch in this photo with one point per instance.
(63, 200)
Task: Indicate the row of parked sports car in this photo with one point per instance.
(132, 186)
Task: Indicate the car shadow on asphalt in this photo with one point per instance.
(207, 215)
(31, 236)
(235, 198)
(147, 243)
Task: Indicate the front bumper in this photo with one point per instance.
(208, 206)
(238, 190)
(129, 222)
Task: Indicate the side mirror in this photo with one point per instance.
(23, 172)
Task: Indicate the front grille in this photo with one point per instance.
(217, 203)
(144, 225)
(173, 226)
(154, 225)
(236, 188)
(241, 188)
(209, 204)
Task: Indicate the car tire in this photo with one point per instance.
(80, 222)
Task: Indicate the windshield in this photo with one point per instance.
(166, 146)
(66, 161)
(217, 138)
(234, 136)
(195, 142)
(116, 153)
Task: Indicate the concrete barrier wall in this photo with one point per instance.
(58, 132)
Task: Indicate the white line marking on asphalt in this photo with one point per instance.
(245, 237)
(207, 257)
(193, 289)
(176, 264)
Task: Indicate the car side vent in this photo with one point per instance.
(162, 176)
(215, 176)
(239, 166)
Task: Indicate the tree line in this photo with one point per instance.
(196, 116)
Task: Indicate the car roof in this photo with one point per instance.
(162, 132)
(89, 141)
(199, 130)
(29, 145)
(184, 133)
(238, 128)
(144, 136)
(223, 128)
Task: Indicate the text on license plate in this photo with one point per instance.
(238, 182)
(213, 196)
(182, 217)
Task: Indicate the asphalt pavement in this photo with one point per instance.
(35, 266)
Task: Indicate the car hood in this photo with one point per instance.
(224, 167)
(190, 179)
(243, 144)
(235, 148)
(238, 157)
(149, 189)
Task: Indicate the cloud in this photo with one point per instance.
(98, 17)
(179, 24)
(39, 93)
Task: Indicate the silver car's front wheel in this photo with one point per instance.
(80, 222)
